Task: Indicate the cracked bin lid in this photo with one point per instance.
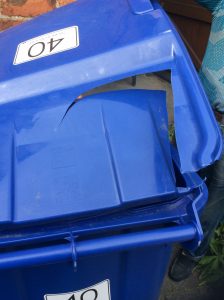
(52, 59)
(110, 150)
(49, 61)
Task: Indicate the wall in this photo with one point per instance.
(14, 12)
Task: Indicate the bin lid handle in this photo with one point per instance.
(140, 7)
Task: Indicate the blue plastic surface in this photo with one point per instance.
(130, 249)
(126, 45)
(140, 6)
(103, 154)
(96, 186)
(132, 276)
(110, 149)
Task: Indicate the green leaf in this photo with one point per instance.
(211, 267)
(207, 260)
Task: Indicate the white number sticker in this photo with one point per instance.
(100, 291)
(47, 44)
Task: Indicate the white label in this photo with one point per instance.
(47, 44)
(100, 291)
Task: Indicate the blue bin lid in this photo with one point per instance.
(35, 93)
(56, 57)
(110, 150)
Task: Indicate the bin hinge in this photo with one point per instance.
(193, 214)
(140, 7)
(72, 239)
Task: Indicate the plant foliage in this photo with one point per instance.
(211, 267)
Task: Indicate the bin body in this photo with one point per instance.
(126, 252)
(135, 274)
(102, 241)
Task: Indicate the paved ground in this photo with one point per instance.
(150, 82)
(191, 289)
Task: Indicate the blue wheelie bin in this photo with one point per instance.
(93, 196)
